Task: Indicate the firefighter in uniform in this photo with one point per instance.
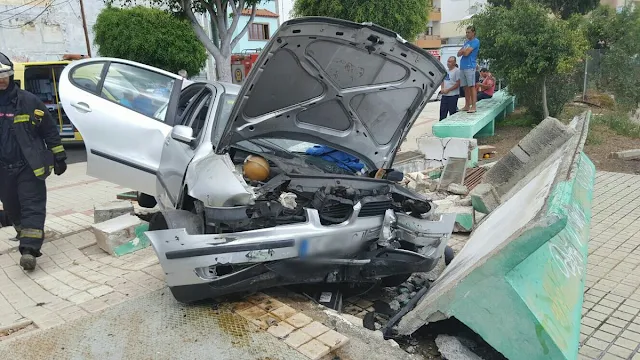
(30, 150)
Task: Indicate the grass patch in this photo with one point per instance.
(620, 123)
(518, 118)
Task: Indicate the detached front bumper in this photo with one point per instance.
(189, 259)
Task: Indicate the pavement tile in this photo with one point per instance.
(626, 343)
(619, 351)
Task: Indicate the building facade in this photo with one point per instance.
(45, 30)
(265, 24)
(444, 26)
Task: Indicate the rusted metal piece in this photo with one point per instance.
(474, 177)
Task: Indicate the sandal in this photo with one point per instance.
(471, 111)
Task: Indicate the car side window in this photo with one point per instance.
(199, 117)
(138, 89)
(88, 76)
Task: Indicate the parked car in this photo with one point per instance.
(244, 206)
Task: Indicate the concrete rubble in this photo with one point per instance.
(537, 204)
(451, 348)
(626, 155)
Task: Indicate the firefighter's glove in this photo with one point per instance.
(59, 167)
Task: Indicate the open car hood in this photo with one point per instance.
(353, 87)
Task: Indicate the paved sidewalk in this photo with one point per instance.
(71, 198)
(610, 322)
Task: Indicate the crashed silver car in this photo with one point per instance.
(186, 146)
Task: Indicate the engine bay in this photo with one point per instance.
(286, 184)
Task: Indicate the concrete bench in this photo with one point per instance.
(478, 124)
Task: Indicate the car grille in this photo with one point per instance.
(375, 208)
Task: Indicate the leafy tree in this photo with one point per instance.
(406, 17)
(532, 50)
(225, 18)
(149, 36)
(563, 8)
(605, 26)
(620, 65)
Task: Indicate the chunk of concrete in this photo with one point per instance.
(453, 349)
(533, 149)
(457, 189)
(112, 233)
(437, 150)
(485, 198)
(626, 155)
(110, 210)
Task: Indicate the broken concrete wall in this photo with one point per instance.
(533, 149)
(519, 280)
(44, 31)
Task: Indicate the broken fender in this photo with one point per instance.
(519, 280)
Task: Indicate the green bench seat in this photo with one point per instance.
(479, 124)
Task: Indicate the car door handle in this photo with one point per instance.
(83, 107)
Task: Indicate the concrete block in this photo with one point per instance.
(626, 155)
(457, 189)
(115, 232)
(485, 198)
(533, 149)
(452, 348)
(110, 210)
(441, 149)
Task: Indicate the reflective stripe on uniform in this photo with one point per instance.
(20, 119)
(57, 149)
(32, 233)
(39, 171)
(50, 169)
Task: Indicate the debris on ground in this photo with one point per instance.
(626, 155)
(486, 151)
(457, 189)
(451, 348)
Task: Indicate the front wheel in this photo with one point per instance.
(158, 222)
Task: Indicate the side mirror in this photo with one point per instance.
(183, 134)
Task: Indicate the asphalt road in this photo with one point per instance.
(75, 153)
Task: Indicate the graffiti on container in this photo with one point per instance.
(568, 259)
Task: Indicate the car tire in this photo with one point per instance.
(158, 222)
(146, 201)
(395, 280)
(448, 255)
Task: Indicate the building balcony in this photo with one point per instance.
(428, 41)
(435, 14)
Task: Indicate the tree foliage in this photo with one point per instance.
(563, 8)
(149, 36)
(620, 63)
(539, 52)
(406, 17)
(225, 19)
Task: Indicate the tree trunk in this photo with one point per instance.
(545, 106)
(223, 67)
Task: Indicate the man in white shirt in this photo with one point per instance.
(450, 89)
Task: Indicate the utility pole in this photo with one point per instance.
(84, 26)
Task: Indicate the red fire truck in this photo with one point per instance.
(242, 63)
